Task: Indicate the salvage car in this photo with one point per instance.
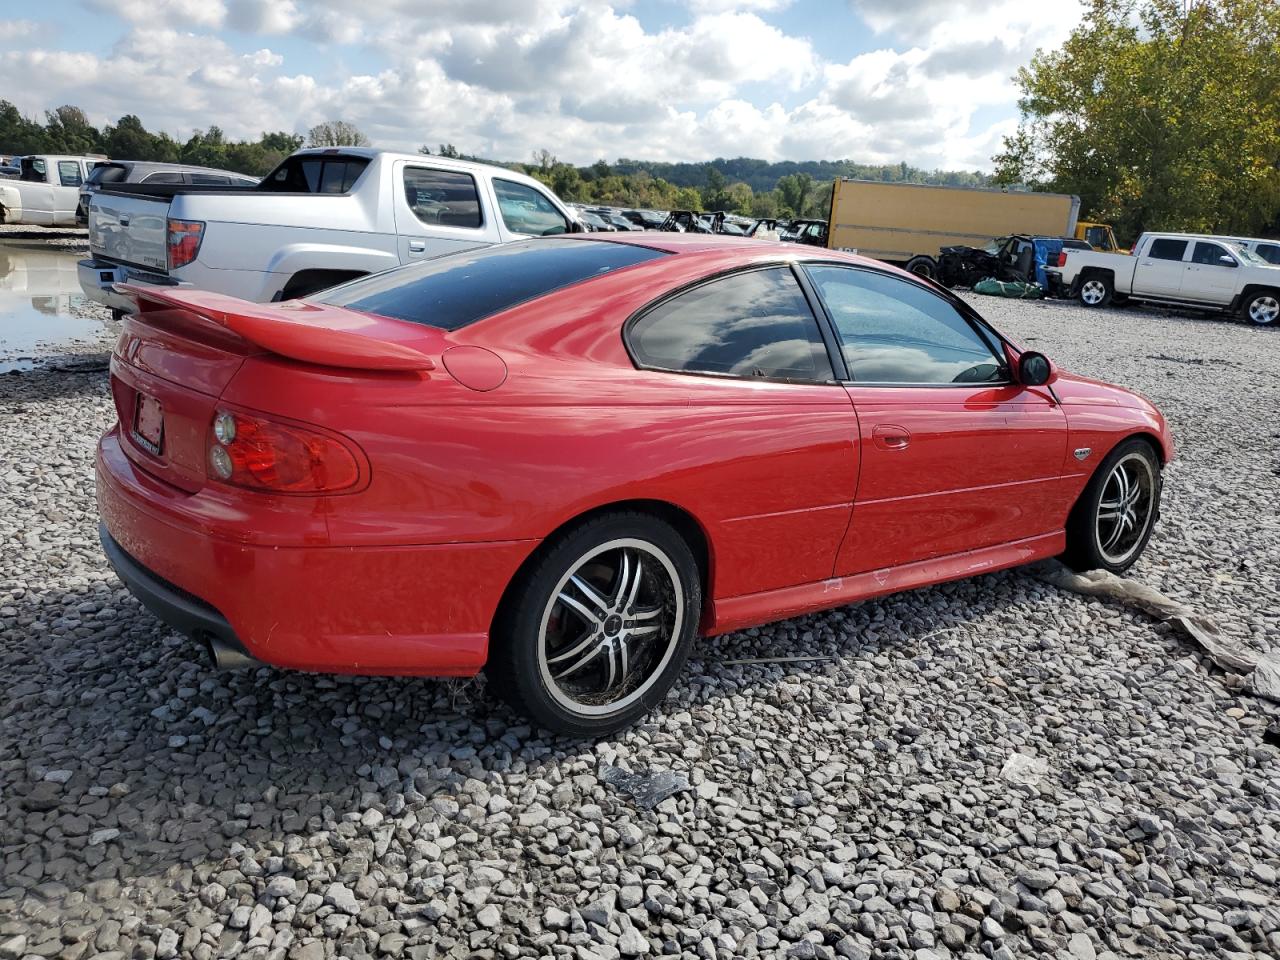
(559, 460)
(323, 216)
(1190, 270)
(46, 191)
(1021, 259)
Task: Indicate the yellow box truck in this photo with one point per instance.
(907, 224)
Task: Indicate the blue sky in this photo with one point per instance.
(926, 81)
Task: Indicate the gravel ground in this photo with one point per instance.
(848, 807)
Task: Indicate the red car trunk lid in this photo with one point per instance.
(177, 355)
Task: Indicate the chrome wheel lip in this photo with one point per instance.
(1092, 291)
(1264, 311)
(1132, 486)
(675, 626)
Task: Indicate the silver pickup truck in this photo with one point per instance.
(322, 217)
(1192, 270)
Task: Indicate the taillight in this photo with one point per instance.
(1062, 258)
(252, 451)
(184, 241)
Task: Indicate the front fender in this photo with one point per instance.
(295, 257)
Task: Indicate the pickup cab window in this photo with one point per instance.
(1166, 249)
(70, 173)
(311, 173)
(442, 197)
(1210, 254)
(34, 170)
(525, 210)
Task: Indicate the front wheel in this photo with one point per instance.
(595, 633)
(1112, 521)
(1096, 291)
(1263, 309)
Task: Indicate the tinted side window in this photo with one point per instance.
(169, 176)
(210, 179)
(1208, 253)
(1269, 252)
(1168, 249)
(442, 197)
(69, 173)
(526, 210)
(755, 324)
(895, 331)
(314, 174)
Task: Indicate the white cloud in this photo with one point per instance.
(583, 78)
(17, 29)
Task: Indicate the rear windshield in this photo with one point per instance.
(454, 290)
(315, 173)
(108, 173)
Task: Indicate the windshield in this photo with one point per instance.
(1248, 256)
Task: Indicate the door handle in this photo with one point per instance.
(417, 246)
(889, 436)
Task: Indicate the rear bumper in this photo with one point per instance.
(99, 277)
(417, 610)
(173, 605)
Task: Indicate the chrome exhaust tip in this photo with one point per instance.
(227, 656)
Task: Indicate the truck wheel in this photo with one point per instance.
(1263, 308)
(923, 267)
(1096, 291)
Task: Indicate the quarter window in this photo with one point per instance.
(895, 331)
(442, 197)
(1164, 249)
(755, 324)
(526, 210)
(69, 173)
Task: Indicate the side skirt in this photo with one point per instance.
(753, 609)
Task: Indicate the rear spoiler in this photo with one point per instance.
(300, 330)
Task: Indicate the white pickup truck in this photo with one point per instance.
(46, 192)
(1205, 272)
(322, 217)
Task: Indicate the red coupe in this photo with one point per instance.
(560, 460)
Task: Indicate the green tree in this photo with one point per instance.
(793, 193)
(67, 130)
(715, 196)
(1159, 114)
(206, 148)
(336, 133)
(448, 150)
(19, 135)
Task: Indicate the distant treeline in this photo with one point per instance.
(740, 185)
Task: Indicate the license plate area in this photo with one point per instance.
(148, 424)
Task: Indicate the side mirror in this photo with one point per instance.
(1034, 369)
(576, 226)
(1226, 261)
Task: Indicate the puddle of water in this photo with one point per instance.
(40, 304)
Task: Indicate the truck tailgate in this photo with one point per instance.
(130, 229)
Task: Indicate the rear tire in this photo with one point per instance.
(594, 633)
(1112, 521)
(923, 266)
(1262, 309)
(1096, 290)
